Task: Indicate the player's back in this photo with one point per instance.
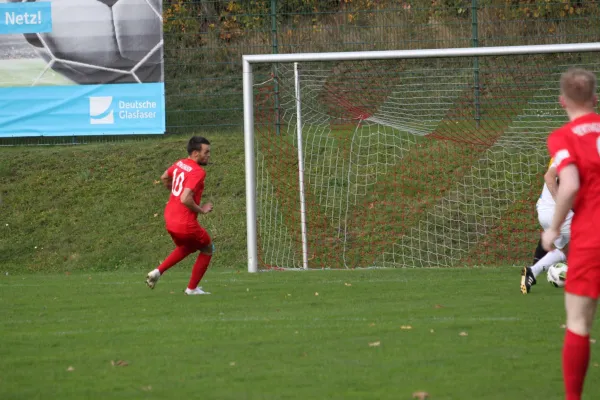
(185, 173)
(582, 137)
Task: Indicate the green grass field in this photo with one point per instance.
(369, 334)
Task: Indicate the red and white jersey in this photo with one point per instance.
(578, 143)
(185, 173)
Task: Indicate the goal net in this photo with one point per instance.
(400, 159)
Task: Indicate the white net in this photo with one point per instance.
(429, 162)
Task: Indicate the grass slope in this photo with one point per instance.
(370, 334)
(100, 207)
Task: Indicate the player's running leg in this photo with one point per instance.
(181, 251)
(527, 277)
(555, 256)
(198, 271)
(576, 348)
(206, 247)
(539, 252)
(527, 280)
(529, 274)
(176, 256)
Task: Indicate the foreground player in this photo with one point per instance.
(576, 150)
(545, 210)
(185, 179)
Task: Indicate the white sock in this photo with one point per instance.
(549, 259)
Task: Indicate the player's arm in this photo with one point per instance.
(550, 179)
(565, 197)
(167, 179)
(187, 199)
(560, 147)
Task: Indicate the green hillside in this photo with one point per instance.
(100, 206)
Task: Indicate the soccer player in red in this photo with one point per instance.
(575, 148)
(185, 180)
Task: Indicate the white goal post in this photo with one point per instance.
(386, 139)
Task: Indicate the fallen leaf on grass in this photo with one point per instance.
(146, 388)
(155, 215)
(463, 334)
(156, 182)
(372, 324)
(347, 284)
(420, 395)
(119, 363)
(439, 306)
(70, 369)
(374, 344)
(406, 327)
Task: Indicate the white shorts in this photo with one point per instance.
(545, 215)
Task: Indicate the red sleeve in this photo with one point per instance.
(561, 149)
(194, 179)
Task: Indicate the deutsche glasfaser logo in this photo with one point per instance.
(101, 110)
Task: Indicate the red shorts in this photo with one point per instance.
(583, 275)
(195, 237)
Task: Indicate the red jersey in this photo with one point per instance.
(578, 142)
(185, 174)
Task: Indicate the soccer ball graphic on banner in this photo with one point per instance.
(557, 274)
(102, 41)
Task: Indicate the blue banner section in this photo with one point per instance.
(112, 109)
(25, 17)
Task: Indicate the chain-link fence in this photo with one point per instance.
(205, 41)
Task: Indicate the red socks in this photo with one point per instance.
(177, 255)
(575, 359)
(200, 267)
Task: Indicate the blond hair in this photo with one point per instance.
(578, 85)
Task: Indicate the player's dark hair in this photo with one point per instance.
(195, 143)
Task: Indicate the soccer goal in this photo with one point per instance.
(410, 158)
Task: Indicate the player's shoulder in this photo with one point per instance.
(559, 133)
(585, 125)
(196, 170)
(199, 171)
(185, 164)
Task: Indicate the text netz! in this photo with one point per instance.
(13, 18)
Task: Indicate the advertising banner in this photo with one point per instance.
(81, 67)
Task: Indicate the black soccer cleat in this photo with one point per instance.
(527, 280)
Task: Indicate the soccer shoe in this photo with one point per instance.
(527, 280)
(152, 278)
(192, 292)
